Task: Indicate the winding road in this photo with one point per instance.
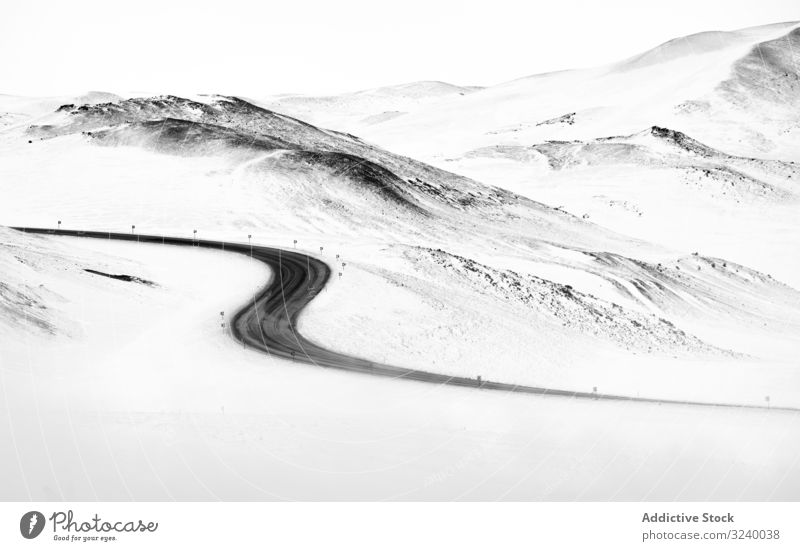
(269, 322)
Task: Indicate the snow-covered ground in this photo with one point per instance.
(354, 111)
(147, 399)
(739, 209)
(630, 228)
(736, 91)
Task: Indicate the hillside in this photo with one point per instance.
(692, 144)
(713, 86)
(354, 111)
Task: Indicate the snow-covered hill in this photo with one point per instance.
(736, 177)
(693, 144)
(354, 111)
(736, 91)
(661, 185)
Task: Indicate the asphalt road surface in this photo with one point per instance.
(269, 322)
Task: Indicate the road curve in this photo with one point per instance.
(269, 322)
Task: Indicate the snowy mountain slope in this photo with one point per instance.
(701, 43)
(714, 170)
(319, 172)
(353, 111)
(743, 178)
(464, 314)
(238, 124)
(688, 84)
(661, 185)
(23, 304)
(767, 80)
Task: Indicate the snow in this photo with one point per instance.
(352, 112)
(620, 98)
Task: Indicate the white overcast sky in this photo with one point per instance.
(258, 48)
